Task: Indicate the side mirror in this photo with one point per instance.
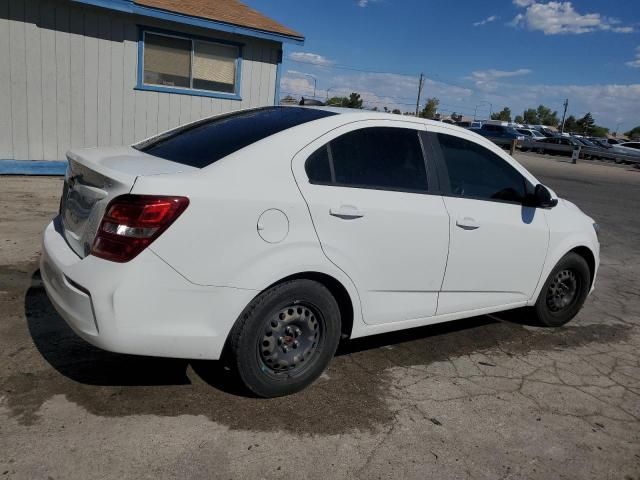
(542, 197)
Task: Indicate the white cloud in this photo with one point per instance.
(558, 17)
(609, 104)
(492, 74)
(490, 19)
(635, 63)
(313, 58)
(365, 3)
(485, 80)
(377, 89)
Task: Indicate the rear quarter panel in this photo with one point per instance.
(216, 241)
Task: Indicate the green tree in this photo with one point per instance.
(586, 124)
(352, 101)
(519, 119)
(546, 116)
(374, 109)
(598, 131)
(396, 111)
(634, 133)
(530, 116)
(430, 108)
(504, 115)
(570, 124)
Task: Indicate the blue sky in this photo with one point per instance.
(516, 53)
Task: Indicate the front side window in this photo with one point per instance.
(476, 172)
(177, 62)
(385, 158)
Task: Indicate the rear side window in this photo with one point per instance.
(476, 172)
(385, 158)
(205, 142)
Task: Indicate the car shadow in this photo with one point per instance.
(81, 362)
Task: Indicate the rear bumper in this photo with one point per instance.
(142, 307)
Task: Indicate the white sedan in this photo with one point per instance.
(262, 237)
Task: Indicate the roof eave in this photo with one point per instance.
(128, 6)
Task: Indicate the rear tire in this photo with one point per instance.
(564, 292)
(285, 338)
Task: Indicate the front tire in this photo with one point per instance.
(285, 338)
(564, 292)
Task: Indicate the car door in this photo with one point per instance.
(367, 189)
(497, 245)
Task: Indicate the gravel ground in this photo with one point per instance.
(486, 397)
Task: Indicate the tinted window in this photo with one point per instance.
(379, 157)
(317, 166)
(203, 143)
(476, 172)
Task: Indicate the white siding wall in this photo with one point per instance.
(67, 78)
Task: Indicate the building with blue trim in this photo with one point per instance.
(87, 73)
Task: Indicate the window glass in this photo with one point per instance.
(167, 60)
(214, 66)
(476, 172)
(317, 166)
(203, 143)
(379, 157)
(185, 63)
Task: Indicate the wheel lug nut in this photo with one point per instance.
(285, 349)
(280, 340)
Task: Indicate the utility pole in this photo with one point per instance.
(420, 85)
(566, 104)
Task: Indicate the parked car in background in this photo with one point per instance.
(530, 133)
(554, 145)
(264, 236)
(544, 130)
(594, 151)
(617, 153)
(634, 145)
(501, 135)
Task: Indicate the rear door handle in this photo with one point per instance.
(346, 212)
(467, 223)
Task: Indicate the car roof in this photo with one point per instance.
(354, 114)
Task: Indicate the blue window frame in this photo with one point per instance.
(186, 64)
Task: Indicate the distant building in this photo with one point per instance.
(84, 73)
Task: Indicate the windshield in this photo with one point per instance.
(202, 143)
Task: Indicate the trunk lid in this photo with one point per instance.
(94, 177)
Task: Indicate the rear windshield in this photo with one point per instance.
(203, 143)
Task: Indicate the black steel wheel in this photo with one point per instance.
(291, 337)
(564, 292)
(285, 338)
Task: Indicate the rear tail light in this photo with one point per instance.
(132, 222)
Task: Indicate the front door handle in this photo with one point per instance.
(346, 212)
(467, 223)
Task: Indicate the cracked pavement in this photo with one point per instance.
(487, 397)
